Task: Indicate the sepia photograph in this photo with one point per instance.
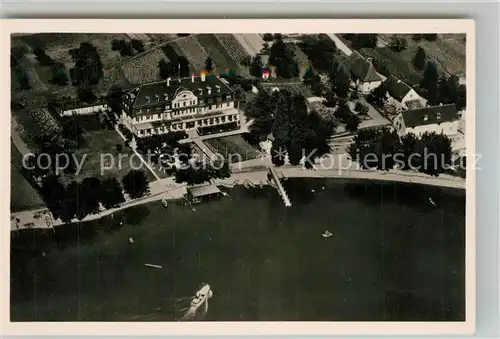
(240, 177)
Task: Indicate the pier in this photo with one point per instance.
(279, 186)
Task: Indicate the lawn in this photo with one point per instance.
(232, 148)
(102, 158)
(23, 195)
(295, 88)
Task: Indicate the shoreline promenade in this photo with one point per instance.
(168, 189)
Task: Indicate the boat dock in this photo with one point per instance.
(279, 186)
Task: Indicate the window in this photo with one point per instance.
(210, 100)
(230, 118)
(184, 103)
(223, 119)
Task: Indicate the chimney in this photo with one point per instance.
(218, 88)
(209, 90)
(157, 96)
(203, 76)
(426, 117)
(168, 81)
(192, 77)
(148, 99)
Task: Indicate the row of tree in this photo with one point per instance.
(127, 47)
(383, 149)
(442, 89)
(79, 199)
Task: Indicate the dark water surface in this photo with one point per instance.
(393, 256)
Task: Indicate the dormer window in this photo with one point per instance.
(157, 97)
(148, 99)
(209, 90)
(200, 91)
(438, 116)
(218, 88)
(165, 95)
(426, 117)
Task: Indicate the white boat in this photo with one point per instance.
(164, 202)
(201, 296)
(327, 234)
(432, 202)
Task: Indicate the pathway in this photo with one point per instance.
(148, 166)
(16, 138)
(340, 44)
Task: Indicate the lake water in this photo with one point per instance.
(393, 256)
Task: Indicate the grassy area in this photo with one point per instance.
(232, 146)
(447, 52)
(22, 194)
(57, 46)
(102, 159)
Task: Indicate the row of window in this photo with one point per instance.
(190, 110)
(191, 124)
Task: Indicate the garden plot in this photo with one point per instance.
(144, 67)
(233, 47)
(216, 51)
(193, 51)
(233, 148)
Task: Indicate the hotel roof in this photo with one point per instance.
(430, 115)
(164, 91)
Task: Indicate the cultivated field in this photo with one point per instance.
(448, 51)
(144, 67)
(232, 146)
(57, 46)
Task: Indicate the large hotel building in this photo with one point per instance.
(179, 105)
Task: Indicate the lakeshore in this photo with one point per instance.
(169, 190)
(264, 260)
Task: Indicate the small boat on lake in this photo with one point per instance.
(201, 296)
(164, 202)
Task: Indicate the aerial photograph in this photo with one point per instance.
(237, 177)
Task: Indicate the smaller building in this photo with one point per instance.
(199, 193)
(402, 95)
(439, 119)
(75, 107)
(364, 75)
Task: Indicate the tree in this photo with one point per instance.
(53, 193)
(209, 65)
(283, 58)
(419, 59)
(246, 61)
(430, 83)
(430, 37)
(398, 44)
(320, 50)
(342, 83)
(352, 122)
(198, 173)
(88, 197)
(165, 70)
(331, 100)
(135, 184)
(278, 36)
(343, 111)
(313, 80)
(138, 45)
(88, 69)
(114, 100)
(59, 75)
(110, 193)
(267, 37)
(42, 57)
(375, 148)
(435, 153)
(378, 96)
(85, 94)
(361, 109)
(256, 67)
(364, 41)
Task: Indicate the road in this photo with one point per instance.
(340, 45)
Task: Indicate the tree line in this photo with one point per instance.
(80, 199)
(382, 149)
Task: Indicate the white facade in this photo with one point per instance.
(367, 87)
(448, 128)
(184, 114)
(410, 96)
(84, 110)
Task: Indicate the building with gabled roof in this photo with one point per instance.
(402, 95)
(439, 119)
(179, 105)
(364, 75)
